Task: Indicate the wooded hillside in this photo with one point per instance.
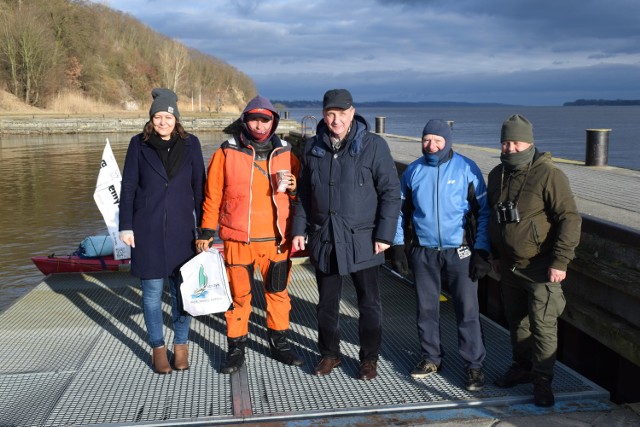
(49, 48)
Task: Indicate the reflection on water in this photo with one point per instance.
(46, 199)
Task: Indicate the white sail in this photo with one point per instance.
(107, 197)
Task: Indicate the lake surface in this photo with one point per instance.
(46, 199)
(46, 191)
(560, 130)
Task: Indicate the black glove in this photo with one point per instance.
(399, 259)
(205, 233)
(479, 266)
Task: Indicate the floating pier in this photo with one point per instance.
(74, 352)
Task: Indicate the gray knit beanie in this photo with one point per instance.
(164, 100)
(517, 128)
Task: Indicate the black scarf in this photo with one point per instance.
(171, 152)
(520, 160)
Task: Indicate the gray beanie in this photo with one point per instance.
(164, 100)
(517, 128)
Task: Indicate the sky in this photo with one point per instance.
(523, 52)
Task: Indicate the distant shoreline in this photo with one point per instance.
(602, 102)
(382, 104)
(394, 104)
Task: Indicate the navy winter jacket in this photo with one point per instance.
(162, 213)
(347, 200)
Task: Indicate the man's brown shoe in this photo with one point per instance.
(326, 365)
(368, 370)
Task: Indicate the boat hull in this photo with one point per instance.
(74, 264)
(53, 264)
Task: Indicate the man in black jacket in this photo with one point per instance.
(347, 210)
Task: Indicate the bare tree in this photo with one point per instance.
(9, 51)
(29, 50)
(46, 46)
(173, 61)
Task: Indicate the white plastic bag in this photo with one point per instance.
(205, 286)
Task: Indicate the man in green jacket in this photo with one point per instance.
(534, 230)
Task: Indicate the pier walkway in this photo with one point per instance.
(605, 192)
(74, 352)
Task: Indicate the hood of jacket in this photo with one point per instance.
(264, 103)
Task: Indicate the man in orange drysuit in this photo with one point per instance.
(242, 201)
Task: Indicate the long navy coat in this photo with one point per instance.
(162, 213)
(347, 200)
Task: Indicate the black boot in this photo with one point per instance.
(281, 349)
(235, 355)
(542, 391)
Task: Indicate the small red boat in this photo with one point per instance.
(76, 264)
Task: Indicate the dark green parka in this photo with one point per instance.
(549, 227)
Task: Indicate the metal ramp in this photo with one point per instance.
(74, 352)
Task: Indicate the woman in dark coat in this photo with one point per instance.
(160, 207)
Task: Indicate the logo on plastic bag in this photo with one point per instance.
(203, 280)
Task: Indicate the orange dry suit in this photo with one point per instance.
(253, 220)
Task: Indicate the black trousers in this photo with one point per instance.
(369, 307)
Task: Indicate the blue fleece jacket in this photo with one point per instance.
(435, 198)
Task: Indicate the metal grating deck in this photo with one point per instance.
(74, 352)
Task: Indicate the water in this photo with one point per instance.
(46, 199)
(560, 130)
(46, 191)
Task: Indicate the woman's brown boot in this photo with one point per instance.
(160, 361)
(181, 357)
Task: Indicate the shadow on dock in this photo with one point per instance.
(74, 352)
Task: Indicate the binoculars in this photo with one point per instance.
(507, 212)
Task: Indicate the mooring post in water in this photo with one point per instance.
(450, 123)
(380, 124)
(597, 147)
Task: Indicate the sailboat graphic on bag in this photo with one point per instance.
(203, 279)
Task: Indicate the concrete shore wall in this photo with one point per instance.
(71, 125)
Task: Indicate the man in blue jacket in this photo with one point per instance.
(348, 206)
(445, 198)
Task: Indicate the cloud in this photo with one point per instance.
(551, 87)
(526, 52)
